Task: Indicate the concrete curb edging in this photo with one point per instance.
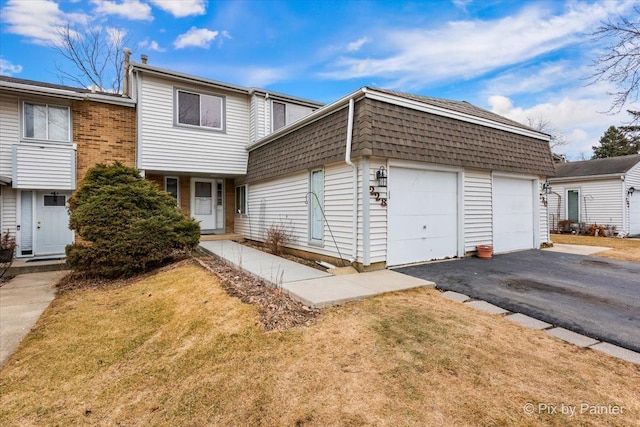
(565, 335)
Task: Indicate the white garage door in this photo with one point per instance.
(634, 214)
(423, 216)
(512, 214)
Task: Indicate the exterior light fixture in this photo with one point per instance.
(381, 176)
(547, 188)
(630, 191)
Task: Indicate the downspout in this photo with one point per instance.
(347, 159)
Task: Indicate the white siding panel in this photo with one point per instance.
(8, 210)
(377, 216)
(632, 179)
(44, 167)
(477, 209)
(282, 201)
(544, 216)
(9, 131)
(601, 201)
(165, 147)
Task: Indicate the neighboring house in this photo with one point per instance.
(601, 191)
(49, 136)
(193, 133)
(457, 176)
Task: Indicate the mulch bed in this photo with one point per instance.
(277, 309)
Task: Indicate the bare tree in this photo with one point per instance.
(620, 64)
(541, 124)
(92, 57)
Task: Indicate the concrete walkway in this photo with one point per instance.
(576, 249)
(312, 287)
(22, 301)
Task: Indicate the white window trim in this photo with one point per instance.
(177, 178)
(176, 110)
(243, 209)
(23, 137)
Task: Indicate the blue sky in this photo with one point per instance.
(522, 59)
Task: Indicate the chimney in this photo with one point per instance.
(126, 65)
(144, 58)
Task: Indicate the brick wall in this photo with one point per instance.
(104, 133)
(185, 192)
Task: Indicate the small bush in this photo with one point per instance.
(278, 236)
(126, 224)
(7, 252)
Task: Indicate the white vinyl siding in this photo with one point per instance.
(38, 167)
(632, 179)
(166, 147)
(544, 215)
(282, 202)
(601, 201)
(478, 214)
(9, 131)
(377, 215)
(8, 210)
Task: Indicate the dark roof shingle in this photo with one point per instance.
(607, 166)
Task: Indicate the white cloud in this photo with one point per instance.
(261, 77)
(195, 37)
(580, 118)
(116, 35)
(356, 45)
(181, 8)
(40, 21)
(415, 57)
(8, 69)
(150, 45)
(129, 9)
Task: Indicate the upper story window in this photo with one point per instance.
(198, 109)
(284, 114)
(46, 122)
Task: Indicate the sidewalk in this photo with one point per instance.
(312, 287)
(22, 301)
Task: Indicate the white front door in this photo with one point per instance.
(203, 204)
(51, 229)
(423, 216)
(513, 214)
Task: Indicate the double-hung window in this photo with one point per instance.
(46, 122)
(241, 199)
(201, 110)
(285, 114)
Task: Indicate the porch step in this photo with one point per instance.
(23, 267)
(227, 236)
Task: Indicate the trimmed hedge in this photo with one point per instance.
(127, 225)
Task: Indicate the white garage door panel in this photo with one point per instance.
(513, 214)
(634, 214)
(422, 216)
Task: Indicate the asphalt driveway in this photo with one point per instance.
(597, 297)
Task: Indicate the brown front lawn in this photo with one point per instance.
(624, 249)
(175, 349)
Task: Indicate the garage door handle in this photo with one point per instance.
(424, 227)
(38, 225)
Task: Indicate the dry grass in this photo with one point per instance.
(623, 249)
(175, 349)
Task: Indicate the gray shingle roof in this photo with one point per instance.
(610, 165)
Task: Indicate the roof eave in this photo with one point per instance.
(619, 175)
(65, 94)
